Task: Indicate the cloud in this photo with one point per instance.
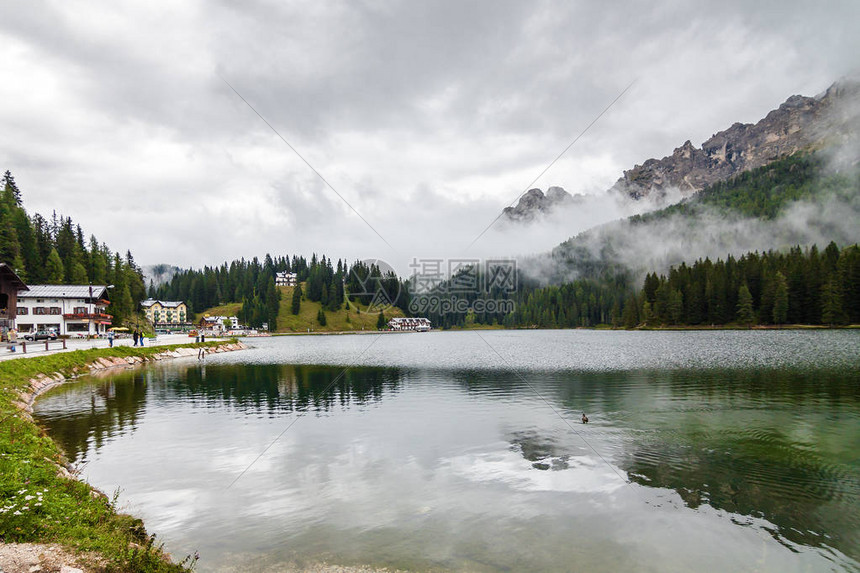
(428, 118)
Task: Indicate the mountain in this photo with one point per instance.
(535, 202)
(830, 119)
(802, 199)
(801, 123)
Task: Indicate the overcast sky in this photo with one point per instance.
(428, 117)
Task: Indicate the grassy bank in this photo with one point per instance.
(40, 502)
(357, 317)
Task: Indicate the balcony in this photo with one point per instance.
(98, 317)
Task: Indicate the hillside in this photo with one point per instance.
(356, 317)
(797, 200)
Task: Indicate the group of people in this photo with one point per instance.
(137, 336)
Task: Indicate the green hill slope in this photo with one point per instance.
(356, 317)
(798, 200)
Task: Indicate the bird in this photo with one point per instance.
(584, 418)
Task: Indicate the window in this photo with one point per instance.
(55, 310)
(80, 310)
(77, 327)
(22, 310)
(40, 310)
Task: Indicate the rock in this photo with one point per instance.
(534, 203)
(799, 123)
(67, 569)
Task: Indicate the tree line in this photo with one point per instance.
(802, 286)
(54, 251)
(251, 283)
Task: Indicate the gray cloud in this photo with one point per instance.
(427, 117)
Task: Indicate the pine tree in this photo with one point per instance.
(54, 268)
(832, 312)
(647, 313)
(79, 274)
(296, 303)
(381, 322)
(333, 301)
(780, 299)
(11, 187)
(745, 312)
(676, 306)
(321, 317)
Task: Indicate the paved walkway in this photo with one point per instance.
(38, 348)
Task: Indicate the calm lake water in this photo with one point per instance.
(705, 451)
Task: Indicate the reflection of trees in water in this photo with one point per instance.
(104, 409)
(281, 387)
(101, 410)
(762, 444)
(777, 444)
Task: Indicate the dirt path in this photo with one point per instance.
(39, 558)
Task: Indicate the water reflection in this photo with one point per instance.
(92, 414)
(84, 416)
(782, 446)
(390, 454)
(284, 388)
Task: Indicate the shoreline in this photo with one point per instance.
(42, 383)
(44, 504)
(607, 328)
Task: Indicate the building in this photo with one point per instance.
(166, 314)
(285, 279)
(66, 309)
(10, 286)
(418, 324)
(216, 323)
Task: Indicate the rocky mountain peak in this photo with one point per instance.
(534, 202)
(801, 122)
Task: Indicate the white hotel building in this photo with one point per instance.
(66, 309)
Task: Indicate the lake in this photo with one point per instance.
(464, 451)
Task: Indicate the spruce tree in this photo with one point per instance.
(54, 268)
(381, 322)
(10, 186)
(296, 303)
(780, 299)
(745, 312)
(832, 312)
(333, 301)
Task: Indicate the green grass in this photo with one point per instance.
(38, 504)
(228, 309)
(359, 317)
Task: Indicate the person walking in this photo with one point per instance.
(110, 338)
(135, 336)
(12, 335)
